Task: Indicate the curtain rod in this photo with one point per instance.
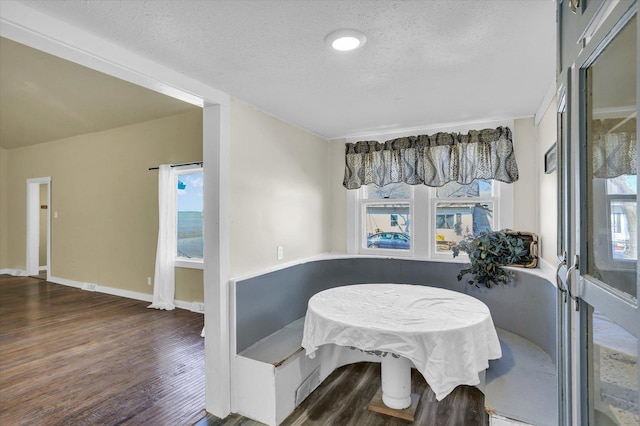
(178, 165)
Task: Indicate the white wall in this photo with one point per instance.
(525, 194)
(338, 196)
(279, 191)
(548, 203)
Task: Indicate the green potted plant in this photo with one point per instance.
(490, 250)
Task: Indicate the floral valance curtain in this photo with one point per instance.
(614, 148)
(432, 160)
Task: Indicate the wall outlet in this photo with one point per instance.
(148, 280)
(89, 286)
(197, 307)
(280, 252)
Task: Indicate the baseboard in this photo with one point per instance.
(14, 272)
(64, 281)
(120, 292)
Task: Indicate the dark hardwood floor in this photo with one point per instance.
(73, 357)
(343, 399)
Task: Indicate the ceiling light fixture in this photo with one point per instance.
(345, 40)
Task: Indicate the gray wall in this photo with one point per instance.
(268, 302)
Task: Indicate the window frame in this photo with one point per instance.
(422, 227)
(422, 209)
(434, 200)
(185, 262)
(615, 263)
(363, 203)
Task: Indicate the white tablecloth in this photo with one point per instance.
(449, 336)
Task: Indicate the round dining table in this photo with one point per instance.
(449, 337)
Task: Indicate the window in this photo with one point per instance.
(461, 211)
(419, 221)
(621, 204)
(189, 202)
(387, 217)
(424, 222)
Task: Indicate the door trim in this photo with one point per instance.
(32, 265)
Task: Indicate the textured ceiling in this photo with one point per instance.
(425, 62)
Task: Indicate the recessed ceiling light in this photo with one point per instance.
(345, 40)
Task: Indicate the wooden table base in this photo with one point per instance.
(408, 413)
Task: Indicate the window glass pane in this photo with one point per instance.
(456, 220)
(387, 226)
(611, 142)
(624, 229)
(625, 184)
(391, 191)
(477, 188)
(614, 368)
(189, 229)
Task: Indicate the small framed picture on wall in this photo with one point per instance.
(551, 159)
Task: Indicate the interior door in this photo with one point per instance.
(603, 272)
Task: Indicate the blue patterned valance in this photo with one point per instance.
(432, 160)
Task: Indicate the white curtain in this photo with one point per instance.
(164, 278)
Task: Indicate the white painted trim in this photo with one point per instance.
(546, 101)
(233, 344)
(33, 224)
(544, 269)
(218, 353)
(135, 295)
(32, 28)
(181, 262)
(13, 272)
(35, 29)
(64, 281)
(48, 269)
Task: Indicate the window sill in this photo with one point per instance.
(190, 264)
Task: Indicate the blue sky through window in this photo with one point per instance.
(190, 192)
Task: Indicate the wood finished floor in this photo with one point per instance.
(73, 357)
(342, 400)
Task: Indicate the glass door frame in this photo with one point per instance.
(564, 191)
(588, 290)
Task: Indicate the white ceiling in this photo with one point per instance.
(426, 63)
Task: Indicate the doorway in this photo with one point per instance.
(39, 227)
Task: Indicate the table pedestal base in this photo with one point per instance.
(396, 381)
(394, 397)
(407, 414)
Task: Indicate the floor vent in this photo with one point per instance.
(308, 386)
(89, 286)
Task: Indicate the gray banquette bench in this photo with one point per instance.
(271, 374)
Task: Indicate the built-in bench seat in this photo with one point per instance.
(278, 347)
(272, 375)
